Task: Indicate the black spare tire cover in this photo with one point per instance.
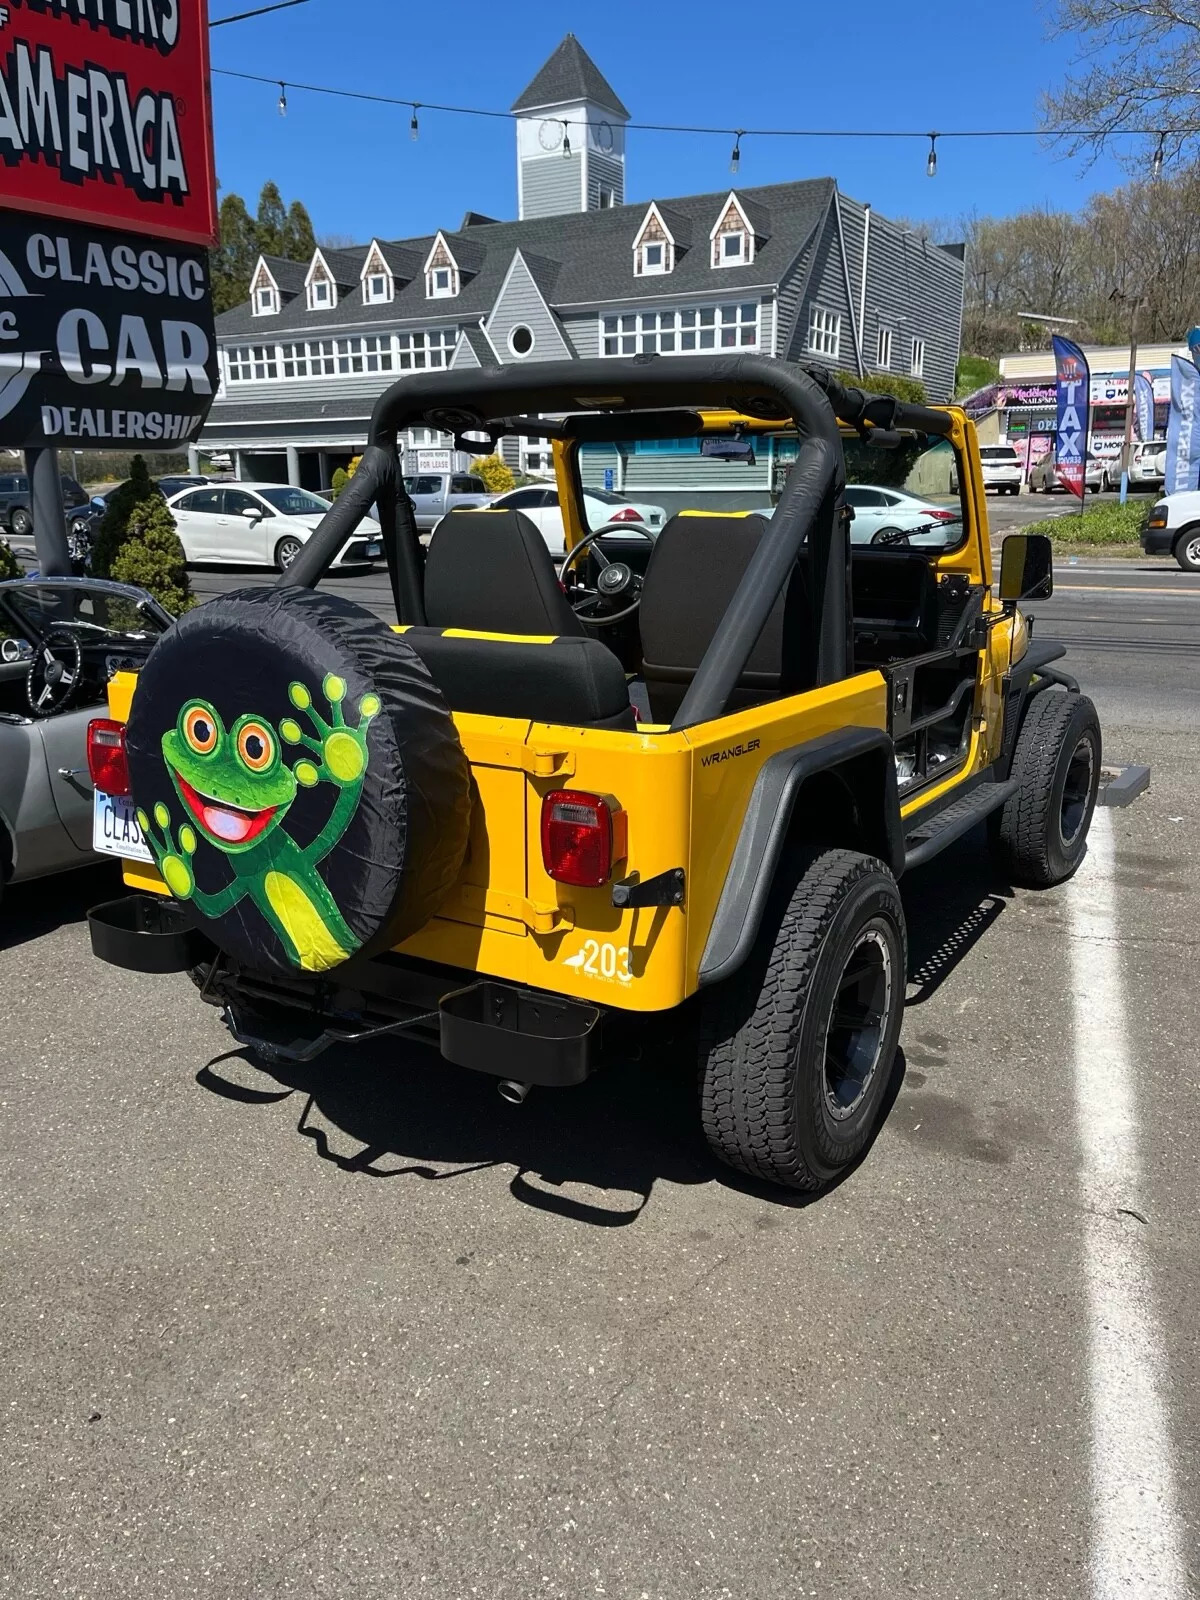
(299, 778)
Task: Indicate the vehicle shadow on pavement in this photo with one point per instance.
(31, 910)
(949, 906)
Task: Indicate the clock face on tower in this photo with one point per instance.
(550, 135)
(604, 136)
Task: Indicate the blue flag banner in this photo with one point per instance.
(1074, 382)
(1183, 435)
(1143, 405)
(1193, 344)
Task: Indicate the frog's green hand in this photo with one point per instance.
(340, 750)
(175, 863)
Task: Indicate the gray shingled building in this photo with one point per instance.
(796, 270)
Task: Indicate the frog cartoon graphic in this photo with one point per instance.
(236, 792)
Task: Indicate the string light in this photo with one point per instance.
(735, 160)
(1103, 135)
(931, 163)
(413, 127)
(283, 99)
(566, 142)
(1156, 161)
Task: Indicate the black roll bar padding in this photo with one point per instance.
(857, 406)
(809, 502)
(376, 482)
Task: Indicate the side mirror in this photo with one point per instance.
(250, 514)
(98, 504)
(1026, 567)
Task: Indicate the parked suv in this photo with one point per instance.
(435, 493)
(1148, 465)
(1001, 468)
(15, 515)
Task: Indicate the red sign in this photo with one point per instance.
(105, 115)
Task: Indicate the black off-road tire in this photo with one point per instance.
(1040, 834)
(768, 1105)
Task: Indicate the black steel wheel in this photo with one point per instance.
(797, 1048)
(1040, 834)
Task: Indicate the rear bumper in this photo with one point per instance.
(502, 1029)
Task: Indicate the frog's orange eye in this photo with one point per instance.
(200, 730)
(256, 745)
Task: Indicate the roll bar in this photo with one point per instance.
(473, 403)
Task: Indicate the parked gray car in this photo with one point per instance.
(61, 639)
(435, 493)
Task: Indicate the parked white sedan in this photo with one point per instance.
(260, 525)
(889, 516)
(604, 509)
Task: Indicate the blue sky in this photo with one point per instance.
(876, 66)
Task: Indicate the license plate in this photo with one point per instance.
(374, 549)
(115, 829)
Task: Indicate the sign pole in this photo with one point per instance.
(46, 508)
(1127, 447)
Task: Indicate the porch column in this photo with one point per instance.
(293, 466)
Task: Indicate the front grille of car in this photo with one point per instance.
(356, 550)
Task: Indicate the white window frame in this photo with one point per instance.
(522, 355)
(649, 269)
(720, 259)
(266, 301)
(377, 296)
(446, 291)
(682, 330)
(426, 349)
(606, 197)
(824, 332)
(324, 301)
(252, 363)
(883, 349)
(917, 361)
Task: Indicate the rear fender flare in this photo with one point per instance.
(861, 764)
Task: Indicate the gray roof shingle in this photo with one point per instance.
(570, 74)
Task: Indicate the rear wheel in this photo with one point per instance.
(1040, 835)
(796, 1049)
(1187, 550)
(286, 552)
(22, 523)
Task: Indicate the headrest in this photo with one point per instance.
(490, 571)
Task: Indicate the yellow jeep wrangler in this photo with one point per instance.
(682, 773)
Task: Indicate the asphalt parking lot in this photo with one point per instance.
(361, 1329)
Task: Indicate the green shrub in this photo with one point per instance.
(495, 474)
(910, 389)
(339, 481)
(1104, 524)
(974, 372)
(10, 567)
(137, 543)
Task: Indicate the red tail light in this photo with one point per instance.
(106, 756)
(627, 514)
(582, 836)
(946, 516)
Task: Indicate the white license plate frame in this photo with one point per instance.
(115, 828)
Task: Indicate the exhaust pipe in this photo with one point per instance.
(513, 1091)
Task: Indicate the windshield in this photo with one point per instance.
(44, 606)
(294, 502)
(997, 452)
(905, 496)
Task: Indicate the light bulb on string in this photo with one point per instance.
(413, 127)
(283, 99)
(566, 142)
(735, 160)
(931, 163)
(1156, 161)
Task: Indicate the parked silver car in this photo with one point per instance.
(1044, 478)
(61, 639)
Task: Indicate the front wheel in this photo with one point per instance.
(286, 552)
(1187, 550)
(796, 1049)
(1040, 834)
(22, 523)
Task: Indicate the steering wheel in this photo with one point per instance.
(54, 673)
(617, 579)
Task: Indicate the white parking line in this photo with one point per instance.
(1136, 1540)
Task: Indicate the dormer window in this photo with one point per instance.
(442, 280)
(653, 246)
(441, 283)
(265, 301)
(654, 256)
(377, 288)
(320, 292)
(319, 285)
(733, 237)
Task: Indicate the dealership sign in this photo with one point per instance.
(105, 338)
(1071, 437)
(104, 114)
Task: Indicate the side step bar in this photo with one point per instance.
(930, 836)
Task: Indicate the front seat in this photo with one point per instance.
(490, 571)
(501, 639)
(697, 563)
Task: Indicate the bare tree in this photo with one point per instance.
(1137, 67)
